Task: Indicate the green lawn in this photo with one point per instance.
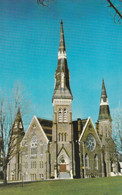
(95, 186)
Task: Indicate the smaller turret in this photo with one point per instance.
(104, 112)
(18, 128)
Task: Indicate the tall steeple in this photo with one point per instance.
(104, 112)
(62, 132)
(62, 87)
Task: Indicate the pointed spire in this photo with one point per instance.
(103, 94)
(104, 99)
(18, 112)
(62, 86)
(104, 112)
(18, 124)
(62, 41)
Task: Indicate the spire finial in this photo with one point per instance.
(62, 41)
(103, 90)
(61, 21)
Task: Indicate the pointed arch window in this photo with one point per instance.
(20, 125)
(62, 136)
(82, 159)
(65, 137)
(96, 162)
(111, 162)
(60, 113)
(41, 148)
(106, 131)
(65, 115)
(34, 145)
(25, 145)
(86, 161)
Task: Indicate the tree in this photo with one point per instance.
(8, 111)
(117, 128)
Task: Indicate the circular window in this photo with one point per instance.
(90, 142)
(62, 160)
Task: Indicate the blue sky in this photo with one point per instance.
(29, 41)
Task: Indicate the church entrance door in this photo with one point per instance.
(62, 167)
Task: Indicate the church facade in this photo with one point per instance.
(63, 148)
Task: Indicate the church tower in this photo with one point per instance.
(104, 127)
(62, 133)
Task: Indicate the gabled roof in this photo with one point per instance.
(35, 119)
(47, 127)
(84, 128)
(63, 149)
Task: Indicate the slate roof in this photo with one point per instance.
(47, 127)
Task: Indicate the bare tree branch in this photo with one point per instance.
(116, 10)
(11, 136)
(117, 127)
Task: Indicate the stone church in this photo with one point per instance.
(64, 148)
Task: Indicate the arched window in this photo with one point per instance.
(62, 136)
(111, 165)
(96, 162)
(65, 137)
(106, 131)
(82, 159)
(41, 148)
(62, 160)
(34, 145)
(25, 144)
(60, 115)
(86, 161)
(65, 115)
(20, 125)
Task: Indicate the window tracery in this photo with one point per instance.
(34, 145)
(87, 161)
(96, 162)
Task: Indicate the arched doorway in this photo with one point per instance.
(62, 166)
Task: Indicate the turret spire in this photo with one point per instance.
(18, 124)
(62, 41)
(103, 94)
(104, 112)
(62, 86)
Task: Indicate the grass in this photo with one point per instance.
(94, 186)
